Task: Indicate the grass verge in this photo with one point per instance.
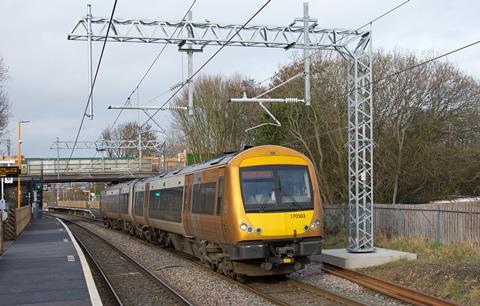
(450, 271)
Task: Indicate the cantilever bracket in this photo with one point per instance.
(277, 123)
(260, 102)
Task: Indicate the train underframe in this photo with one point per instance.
(239, 261)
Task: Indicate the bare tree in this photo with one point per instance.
(216, 125)
(129, 131)
(426, 127)
(175, 141)
(318, 130)
(4, 105)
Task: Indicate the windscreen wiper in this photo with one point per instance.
(267, 198)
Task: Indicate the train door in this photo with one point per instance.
(203, 205)
(187, 204)
(218, 206)
(131, 202)
(146, 201)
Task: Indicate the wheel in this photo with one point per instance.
(241, 278)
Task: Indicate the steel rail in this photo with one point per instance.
(194, 261)
(134, 262)
(250, 288)
(100, 270)
(324, 293)
(387, 288)
(320, 292)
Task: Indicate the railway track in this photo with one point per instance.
(279, 290)
(129, 282)
(285, 291)
(387, 288)
(291, 292)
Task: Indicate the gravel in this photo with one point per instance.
(203, 288)
(314, 275)
(199, 286)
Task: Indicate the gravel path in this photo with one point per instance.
(201, 287)
(313, 274)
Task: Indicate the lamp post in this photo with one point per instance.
(19, 161)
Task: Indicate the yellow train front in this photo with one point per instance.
(269, 215)
(250, 213)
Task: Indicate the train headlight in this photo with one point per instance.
(315, 224)
(243, 226)
(305, 227)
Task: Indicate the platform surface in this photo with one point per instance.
(42, 267)
(344, 259)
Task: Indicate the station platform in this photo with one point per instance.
(45, 267)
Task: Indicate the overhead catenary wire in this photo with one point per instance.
(389, 77)
(427, 61)
(342, 38)
(150, 68)
(93, 83)
(209, 59)
(285, 82)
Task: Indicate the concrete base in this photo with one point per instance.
(344, 259)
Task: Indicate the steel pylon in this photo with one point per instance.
(354, 45)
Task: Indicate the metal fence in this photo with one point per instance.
(452, 222)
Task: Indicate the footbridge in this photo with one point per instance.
(61, 170)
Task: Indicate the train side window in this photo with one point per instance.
(220, 195)
(166, 204)
(204, 198)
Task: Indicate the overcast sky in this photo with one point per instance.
(48, 82)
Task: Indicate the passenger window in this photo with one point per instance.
(204, 198)
(219, 195)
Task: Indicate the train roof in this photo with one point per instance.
(123, 184)
(218, 161)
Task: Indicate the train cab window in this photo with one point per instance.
(276, 188)
(220, 195)
(204, 198)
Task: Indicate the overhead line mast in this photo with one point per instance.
(356, 50)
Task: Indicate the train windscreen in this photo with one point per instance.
(276, 188)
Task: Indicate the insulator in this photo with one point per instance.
(176, 107)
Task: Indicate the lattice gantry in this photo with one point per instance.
(360, 145)
(353, 45)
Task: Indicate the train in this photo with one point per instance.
(249, 213)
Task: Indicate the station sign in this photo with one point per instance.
(9, 171)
